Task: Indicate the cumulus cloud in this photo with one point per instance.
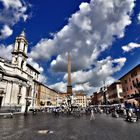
(93, 79)
(130, 46)
(5, 51)
(60, 86)
(11, 12)
(138, 17)
(89, 32)
(5, 32)
(85, 87)
(103, 71)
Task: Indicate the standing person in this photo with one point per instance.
(92, 117)
(124, 112)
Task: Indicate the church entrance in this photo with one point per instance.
(0, 101)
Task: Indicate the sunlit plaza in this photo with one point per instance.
(44, 126)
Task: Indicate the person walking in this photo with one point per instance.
(92, 117)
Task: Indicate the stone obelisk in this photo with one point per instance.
(69, 86)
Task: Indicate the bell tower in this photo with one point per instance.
(19, 54)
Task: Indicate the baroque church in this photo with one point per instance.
(18, 79)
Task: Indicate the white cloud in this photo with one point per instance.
(85, 87)
(61, 87)
(130, 46)
(89, 32)
(103, 71)
(138, 17)
(11, 13)
(91, 80)
(5, 51)
(5, 32)
(11, 3)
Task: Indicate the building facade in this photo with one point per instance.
(89, 100)
(127, 87)
(62, 99)
(114, 92)
(18, 80)
(94, 98)
(131, 82)
(80, 99)
(100, 97)
(46, 96)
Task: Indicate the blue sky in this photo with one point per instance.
(103, 38)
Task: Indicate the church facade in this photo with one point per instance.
(18, 79)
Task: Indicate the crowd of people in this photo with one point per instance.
(129, 112)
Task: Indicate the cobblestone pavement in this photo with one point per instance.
(104, 127)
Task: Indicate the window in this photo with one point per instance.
(19, 89)
(16, 59)
(137, 81)
(19, 98)
(133, 83)
(22, 63)
(18, 45)
(24, 47)
(29, 90)
(125, 81)
(134, 73)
